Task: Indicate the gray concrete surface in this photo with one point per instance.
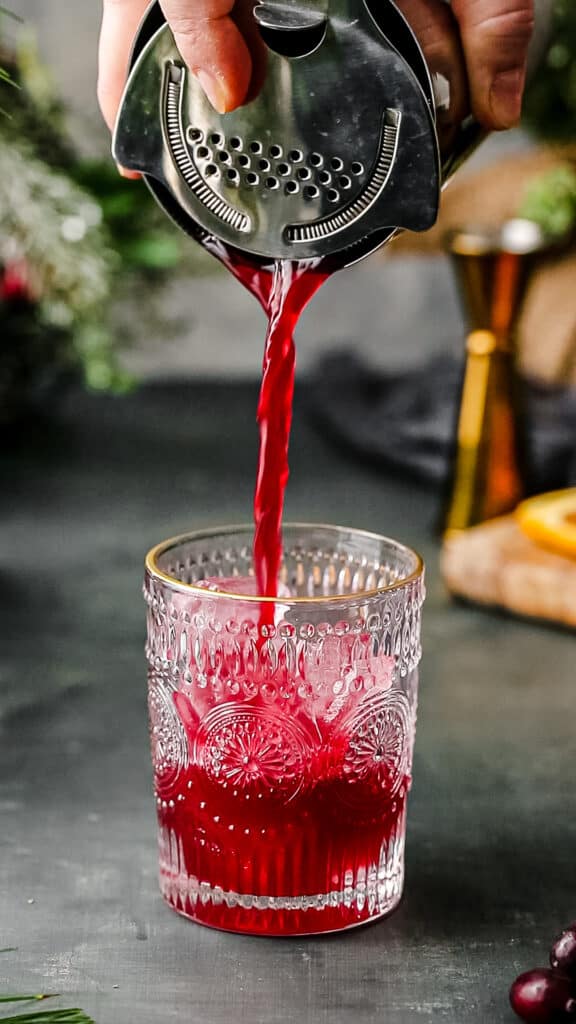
(492, 814)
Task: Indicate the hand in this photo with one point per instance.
(492, 37)
(478, 46)
(208, 37)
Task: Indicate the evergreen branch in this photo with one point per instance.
(27, 999)
(73, 1016)
(5, 76)
(11, 14)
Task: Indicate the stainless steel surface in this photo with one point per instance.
(336, 151)
(290, 16)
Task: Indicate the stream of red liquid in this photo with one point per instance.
(272, 821)
(283, 290)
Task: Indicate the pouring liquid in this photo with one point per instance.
(288, 858)
(283, 290)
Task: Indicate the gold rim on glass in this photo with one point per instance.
(192, 588)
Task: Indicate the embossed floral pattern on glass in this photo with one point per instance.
(282, 752)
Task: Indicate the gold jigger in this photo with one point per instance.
(493, 268)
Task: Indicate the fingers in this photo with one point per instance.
(120, 20)
(213, 47)
(208, 39)
(437, 32)
(495, 37)
(248, 26)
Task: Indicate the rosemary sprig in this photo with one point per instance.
(26, 999)
(9, 949)
(5, 76)
(73, 1016)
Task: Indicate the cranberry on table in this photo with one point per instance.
(563, 953)
(544, 996)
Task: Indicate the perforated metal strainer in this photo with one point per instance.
(337, 150)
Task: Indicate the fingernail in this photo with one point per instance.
(506, 97)
(130, 175)
(214, 90)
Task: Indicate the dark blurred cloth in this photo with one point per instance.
(407, 420)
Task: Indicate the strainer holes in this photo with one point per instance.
(316, 159)
(224, 156)
(356, 167)
(336, 164)
(324, 177)
(235, 142)
(304, 173)
(264, 165)
(244, 160)
(292, 188)
(295, 155)
(275, 152)
(203, 153)
(195, 135)
(332, 195)
(232, 176)
(271, 183)
(210, 170)
(255, 147)
(251, 179)
(216, 139)
(311, 192)
(283, 169)
(344, 181)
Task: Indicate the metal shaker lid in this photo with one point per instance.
(336, 151)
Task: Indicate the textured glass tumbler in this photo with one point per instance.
(282, 729)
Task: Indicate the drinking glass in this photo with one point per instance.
(282, 729)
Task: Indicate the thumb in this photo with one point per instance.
(495, 38)
(213, 47)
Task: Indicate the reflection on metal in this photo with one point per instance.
(369, 195)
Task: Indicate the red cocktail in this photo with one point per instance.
(282, 728)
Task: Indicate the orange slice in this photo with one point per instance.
(550, 521)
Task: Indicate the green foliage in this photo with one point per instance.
(85, 237)
(550, 200)
(73, 1016)
(550, 102)
(5, 76)
(140, 234)
(24, 999)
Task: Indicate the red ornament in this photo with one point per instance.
(15, 285)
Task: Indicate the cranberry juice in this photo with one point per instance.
(274, 819)
(283, 292)
(311, 865)
(283, 820)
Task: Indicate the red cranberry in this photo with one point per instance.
(563, 954)
(543, 996)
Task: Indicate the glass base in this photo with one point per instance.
(322, 913)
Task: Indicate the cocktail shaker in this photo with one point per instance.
(336, 151)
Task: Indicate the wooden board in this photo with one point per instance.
(495, 564)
